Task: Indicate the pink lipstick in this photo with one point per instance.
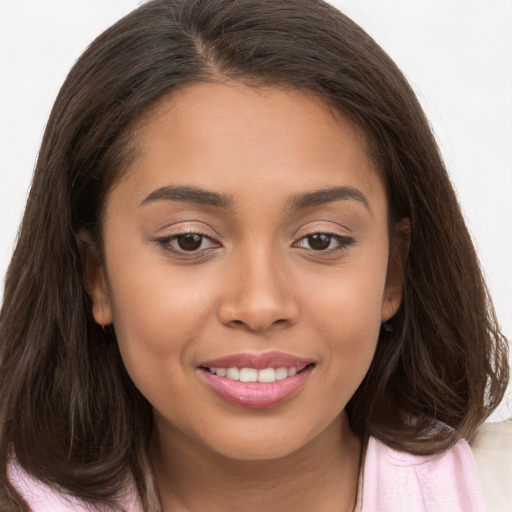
(257, 380)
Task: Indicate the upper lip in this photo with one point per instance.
(258, 361)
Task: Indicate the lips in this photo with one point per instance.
(256, 380)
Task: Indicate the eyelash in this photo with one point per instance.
(166, 243)
(343, 243)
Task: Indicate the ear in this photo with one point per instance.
(94, 279)
(393, 290)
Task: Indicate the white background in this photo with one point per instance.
(457, 54)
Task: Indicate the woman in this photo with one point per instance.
(243, 272)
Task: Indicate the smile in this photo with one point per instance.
(257, 380)
(255, 375)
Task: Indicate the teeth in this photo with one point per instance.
(233, 374)
(248, 375)
(267, 375)
(254, 375)
(281, 373)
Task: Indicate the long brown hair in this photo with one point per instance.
(68, 409)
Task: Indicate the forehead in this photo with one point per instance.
(218, 134)
(263, 112)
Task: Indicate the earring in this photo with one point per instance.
(387, 327)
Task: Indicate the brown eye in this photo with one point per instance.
(328, 243)
(189, 242)
(319, 241)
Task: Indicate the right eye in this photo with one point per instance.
(187, 243)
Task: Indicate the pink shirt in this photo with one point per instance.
(41, 498)
(391, 481)
(396, 481)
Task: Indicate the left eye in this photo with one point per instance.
(187, 242)
(323, 242)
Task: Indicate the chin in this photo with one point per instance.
(258, 452)
(262, 442)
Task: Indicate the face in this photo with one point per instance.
(245, 267)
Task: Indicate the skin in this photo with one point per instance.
(256, 284)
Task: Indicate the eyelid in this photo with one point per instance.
(340, 233)
(186, 227)
(343, 241)
(172, 233)
(324, 227)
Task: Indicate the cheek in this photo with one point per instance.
(156, 300)
(157, 315)
(349, 298)
(345, 311)
(156, 327)
(350, 326)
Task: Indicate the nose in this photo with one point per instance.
(258, 294)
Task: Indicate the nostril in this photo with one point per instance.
(254, 325)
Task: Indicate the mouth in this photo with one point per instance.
(264, 375)
(257, 381)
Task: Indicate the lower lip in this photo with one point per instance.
(256, 395)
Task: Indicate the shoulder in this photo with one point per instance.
(395, 481)
(492, 449)
(39, 496)
(42, 498)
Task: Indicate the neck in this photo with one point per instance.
(192, 478)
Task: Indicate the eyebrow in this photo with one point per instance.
(197, 195)
(186, 194)
(328, 195)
